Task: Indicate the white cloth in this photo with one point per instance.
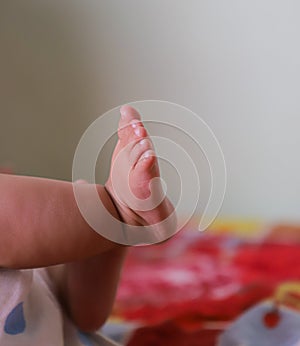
(30, 314)
(249, 329)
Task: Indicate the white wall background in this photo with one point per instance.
(235, 63)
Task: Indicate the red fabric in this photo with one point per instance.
(168, 334)
(208, 277)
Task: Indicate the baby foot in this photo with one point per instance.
(134, 182)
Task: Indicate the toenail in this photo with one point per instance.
(143, 142)
(138, 131)
(146, 142)
(123, 113)
(134, 123)
(147, 154)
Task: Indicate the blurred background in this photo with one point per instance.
(234, 63)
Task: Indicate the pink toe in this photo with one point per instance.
(148, 154)
(128, 112)
(147, 159)
(140, 132)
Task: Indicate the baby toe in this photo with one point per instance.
(139, 149)
(146, 161)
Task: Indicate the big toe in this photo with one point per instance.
(129, 113)
(131, 127)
